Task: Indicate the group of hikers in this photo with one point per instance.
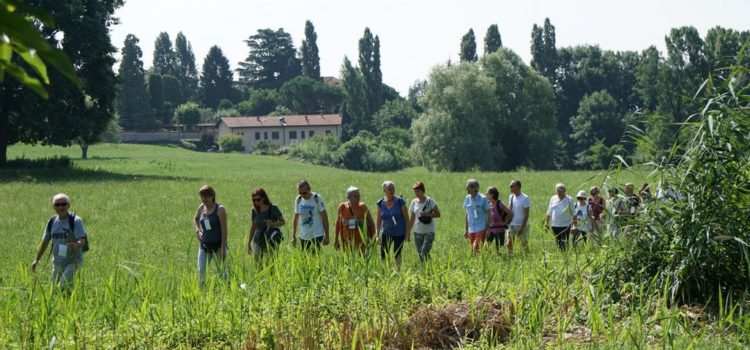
(487, 219)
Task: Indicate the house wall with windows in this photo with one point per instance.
(282, 131)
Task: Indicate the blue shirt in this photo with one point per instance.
(394, 222)
(476, 212)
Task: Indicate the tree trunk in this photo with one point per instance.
(84, 151)
(3, 139)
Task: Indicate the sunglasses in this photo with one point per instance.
(257, 199)
(61, 205)
(303, 193)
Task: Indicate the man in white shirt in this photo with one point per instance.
(313, 226)
(518, 227)
(559, 212)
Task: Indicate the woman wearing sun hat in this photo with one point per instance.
(582, 217)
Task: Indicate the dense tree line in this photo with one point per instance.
(599, 92)
(582, 100)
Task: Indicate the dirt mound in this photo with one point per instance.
(448, 326)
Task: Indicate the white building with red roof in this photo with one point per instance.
(280, 130)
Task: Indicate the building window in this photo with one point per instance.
(311, 133)
(275, 135)
(257, 135)
(302, 134)
(265, 135)
(292, 135)
(328, 132)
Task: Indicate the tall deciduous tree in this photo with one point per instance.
(543, 50)
(216, 79)
(354, 109)
(524, 121)
(686, 69)
(498, 105)
(309, 52)
(461, 104)
(132, 102)
(272, 59)
(260, 102)
(173, 90)
(164, 60)
(397, 113)
(305, 95)
(70, 115)
(372, 77)
(649, 79)
(156, 100)
(186, 72)
(598, 119)
(468, 51)
(492, 40)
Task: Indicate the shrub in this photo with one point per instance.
(231, 143)
(223, 113)
(265, 147)
(692, 241)
(368, 153)
(225, 104)
(365, 152)
(56, 162)
(188, 114)
(317, 149)
(599, 156)
(188, 145)
(396, 136)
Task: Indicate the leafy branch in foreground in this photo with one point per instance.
(19, 36)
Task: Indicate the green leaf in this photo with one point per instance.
(622, 160)
(36, 64)
(24, 35)
(22, 31)
(6, 51)
(28, 81)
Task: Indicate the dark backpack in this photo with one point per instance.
(503, 215)
(299, 198)
(72, 225)
(273, 235)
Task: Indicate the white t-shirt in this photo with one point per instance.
(310, 222)
(517, 205)
(582, 215)
(416, 208)
(560, 211)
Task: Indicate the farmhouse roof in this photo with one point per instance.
(286, 120)
(333, 81)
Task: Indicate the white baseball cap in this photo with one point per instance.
(581, 194)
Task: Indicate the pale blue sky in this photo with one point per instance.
(417, 35)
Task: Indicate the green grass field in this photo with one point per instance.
(138, 287)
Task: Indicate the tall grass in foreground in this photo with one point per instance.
(138, 287)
